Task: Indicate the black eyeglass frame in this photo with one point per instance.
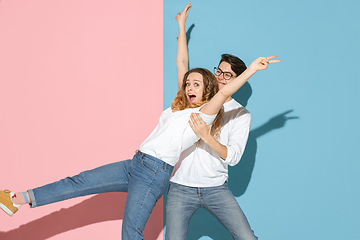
(223, 73)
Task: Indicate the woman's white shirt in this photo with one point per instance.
(172, 135)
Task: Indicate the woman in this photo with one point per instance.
(146, 176)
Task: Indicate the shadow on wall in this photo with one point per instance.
(188, 35)
(203, 223)
(80, 215)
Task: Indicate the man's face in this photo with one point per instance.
(224, 74)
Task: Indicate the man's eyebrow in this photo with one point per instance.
(224, 71)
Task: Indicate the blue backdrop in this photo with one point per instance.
(299, 176)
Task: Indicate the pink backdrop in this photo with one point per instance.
(78, 79)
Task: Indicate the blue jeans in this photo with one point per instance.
(144, 178)
(183, 201)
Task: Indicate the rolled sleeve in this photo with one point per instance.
(238, 138)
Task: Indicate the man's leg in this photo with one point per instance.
(220, 202)
(182, 202)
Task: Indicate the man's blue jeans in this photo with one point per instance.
(144, 178)
(183, 201)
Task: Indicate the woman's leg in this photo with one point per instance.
(148, 180)
(108, 178)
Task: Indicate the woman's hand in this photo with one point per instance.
(199, 126)
(181, 17)
(262, 63)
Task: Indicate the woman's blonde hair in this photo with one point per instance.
(211, 87)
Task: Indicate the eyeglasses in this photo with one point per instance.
(226, 75)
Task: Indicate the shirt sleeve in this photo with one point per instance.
(238, 137)
(189, 137)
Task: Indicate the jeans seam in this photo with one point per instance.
(162, 183)
(142, 203)
(188, 222)
(73, 191)
(221, 221)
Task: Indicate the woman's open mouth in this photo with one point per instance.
(191, 97)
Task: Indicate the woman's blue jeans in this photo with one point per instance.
(144, 178)
(183, 201)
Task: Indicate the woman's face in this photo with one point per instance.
(194, 87)
(224, 69)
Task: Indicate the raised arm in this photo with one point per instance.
(229, 89)
(182, 56)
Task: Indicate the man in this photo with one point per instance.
(199, 179)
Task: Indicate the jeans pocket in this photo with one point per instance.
(173, 184)
(149, 166)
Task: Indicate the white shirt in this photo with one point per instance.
(172, 135)
(201, 166)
